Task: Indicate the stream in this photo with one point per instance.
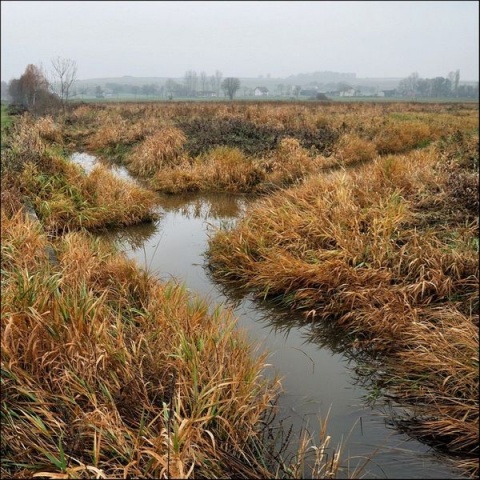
(317, 377)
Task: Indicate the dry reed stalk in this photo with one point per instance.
(48, 129)
(352, 149)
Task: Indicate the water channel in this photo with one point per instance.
(318, 379)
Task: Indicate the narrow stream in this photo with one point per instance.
(317, 378)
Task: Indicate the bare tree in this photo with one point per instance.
(218, 81)
(64, 71)
(190, 81)
(456, 81)
(230, 85)
(203, 82)
(213, 84)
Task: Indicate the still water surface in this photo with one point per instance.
(318, 379)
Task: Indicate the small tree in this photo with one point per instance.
(218, 81)
(230, 86)
(64, 71)
(31, 91)
(296, 90)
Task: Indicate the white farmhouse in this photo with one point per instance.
(351, 92)
(261, 92)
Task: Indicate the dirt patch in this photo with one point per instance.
(206, 133)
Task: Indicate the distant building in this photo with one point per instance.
(261, 92)
(350, 92)
(389, 93)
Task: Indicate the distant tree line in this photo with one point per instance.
(438, 87)
(149, 90)
(38, 91)
(195, 85)
(192, 85)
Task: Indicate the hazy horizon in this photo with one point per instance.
(243, 39)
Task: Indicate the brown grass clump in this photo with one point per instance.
(107, 373)
(110, 133)
(402, 137)
(69, 199)
(48, 129)
(352, 149)
(160, 150)
(383, 251)
(22, 145)
(290, 163)
(61, 194)
(229, 169)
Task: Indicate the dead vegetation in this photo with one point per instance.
(370, 224)
(389, 252)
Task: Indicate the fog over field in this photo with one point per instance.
(243, 39)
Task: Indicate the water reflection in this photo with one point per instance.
(211, 206)
(88, 163)
(134, 236)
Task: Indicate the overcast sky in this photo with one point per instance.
(244, 39)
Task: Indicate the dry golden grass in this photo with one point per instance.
(63, 196)
(351, 149)
(290, 163)
(48, 129)
(221, 169)
(149, 138)
(106, 371)
(161, 150)
(389, 251)
(112, 372)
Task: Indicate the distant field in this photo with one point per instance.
(143, 98)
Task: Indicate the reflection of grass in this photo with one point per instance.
(134, 236)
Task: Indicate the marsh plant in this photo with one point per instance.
(366, 220)
(388, 252)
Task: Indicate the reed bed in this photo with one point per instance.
(159, 151)
(389, 252)
(108, 373)
(168, 144)
(63, 196)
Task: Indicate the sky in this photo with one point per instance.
(373, 39)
